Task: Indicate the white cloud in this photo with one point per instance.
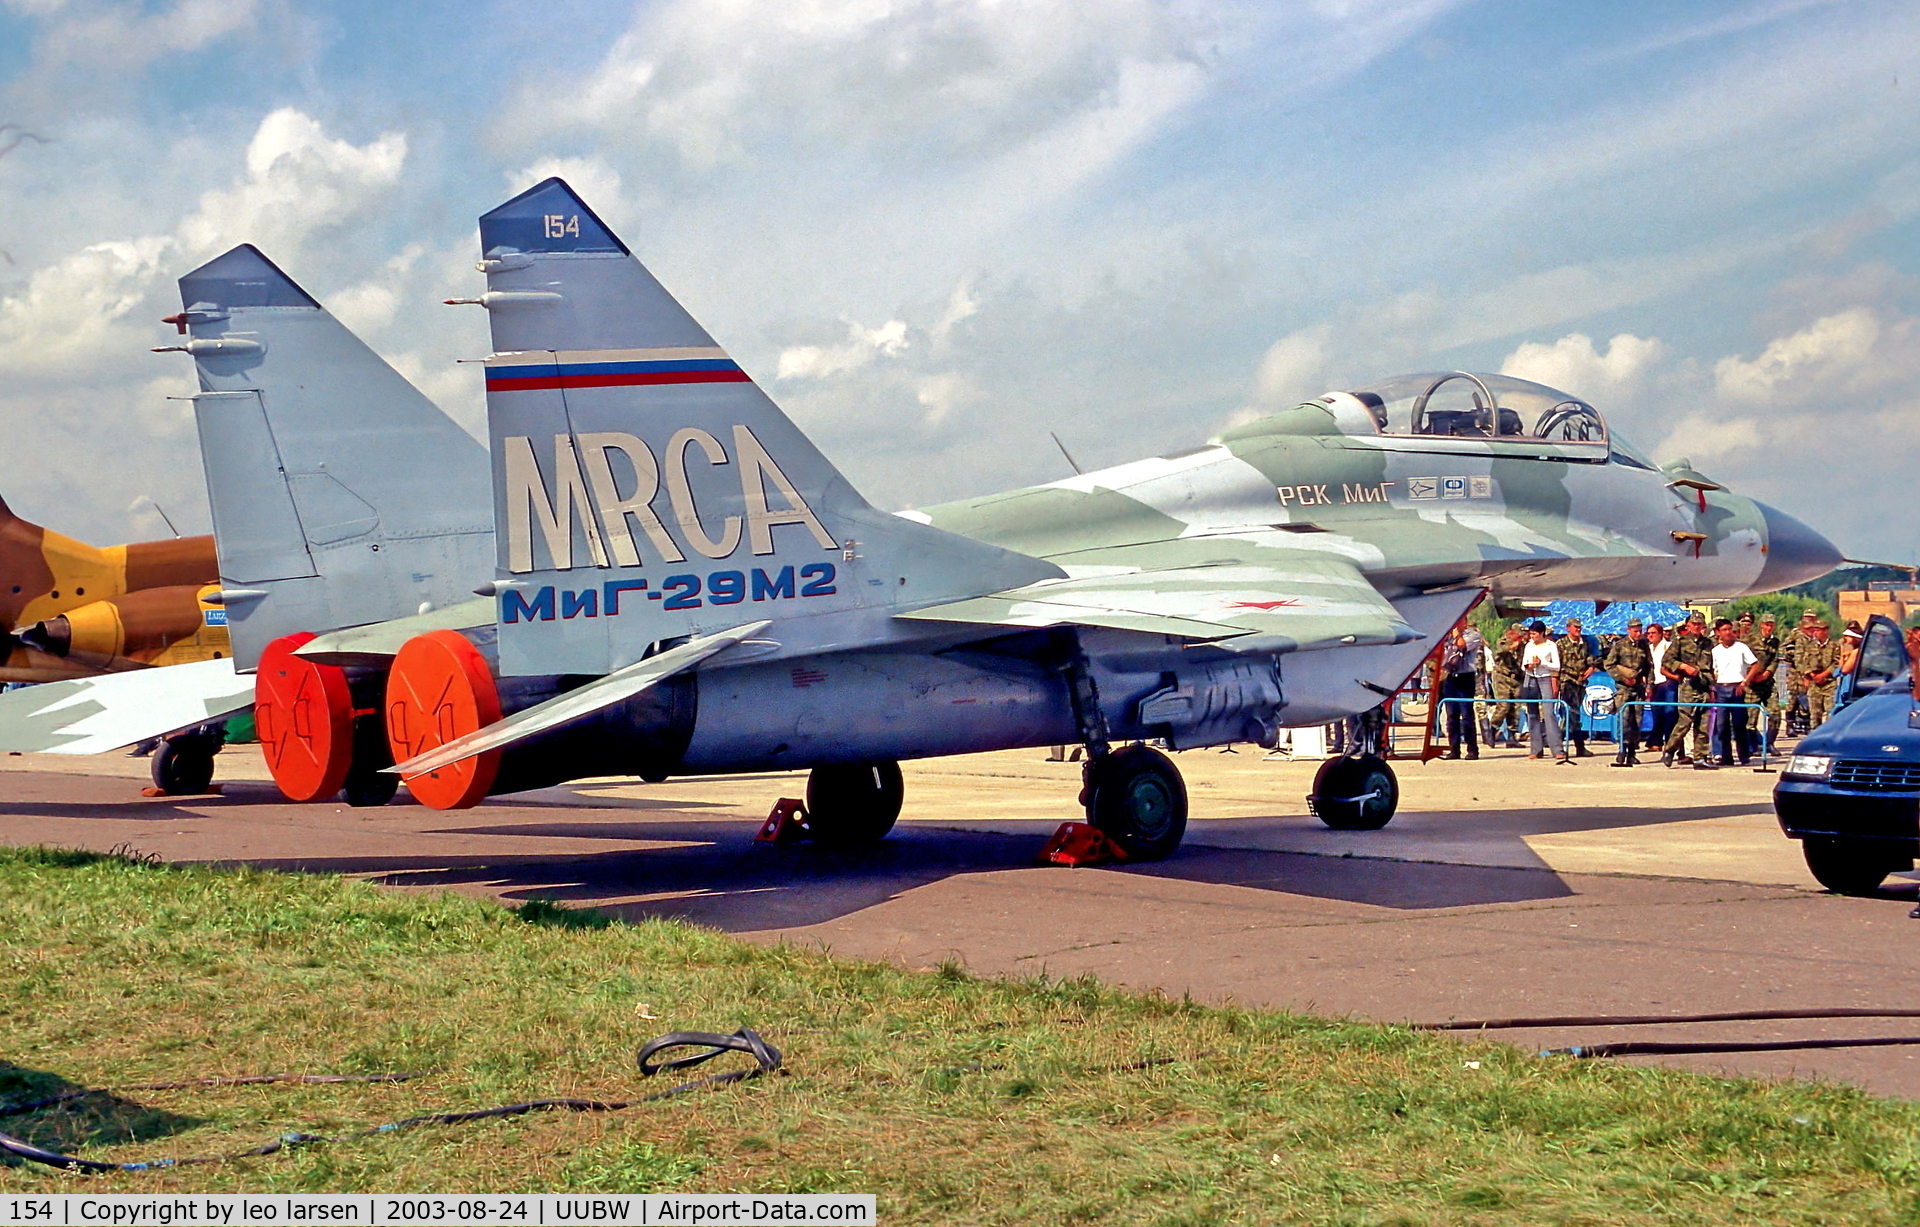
(71, 311)
(298, 181)
(1832, 354)
(962, 304)
(711, 79)
(74, 333)
(1293, 369)
(1572, 364)
(96, 47)
(861, 347)
(941, 395)
(1823, 421)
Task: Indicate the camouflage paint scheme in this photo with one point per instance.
(1288, 572)
(103, 609)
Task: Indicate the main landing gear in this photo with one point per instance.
(183, 765)
(849, 804)
(1135, 796)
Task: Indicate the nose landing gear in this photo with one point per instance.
(1355, 793)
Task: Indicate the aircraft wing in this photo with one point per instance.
(1291, 604)
(95, 714)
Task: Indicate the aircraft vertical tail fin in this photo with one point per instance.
(647, 489)
(341, 495)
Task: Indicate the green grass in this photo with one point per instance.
(954, 1099)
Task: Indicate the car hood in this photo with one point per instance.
(1873, 727)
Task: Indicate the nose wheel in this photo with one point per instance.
(1355, 793)
(1135, 796)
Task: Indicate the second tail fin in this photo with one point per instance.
(341, 495)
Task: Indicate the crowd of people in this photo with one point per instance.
(1686, 692)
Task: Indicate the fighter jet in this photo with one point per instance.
(684, 585)
(664, 530)
(77, 610)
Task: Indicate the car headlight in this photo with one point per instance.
(1818, 766)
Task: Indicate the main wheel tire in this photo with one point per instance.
(183, 768)
(1358, 793)
(368, 786)
(1847, 866)
(849, 804)
(1136, 797)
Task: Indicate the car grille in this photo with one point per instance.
(1875, 776)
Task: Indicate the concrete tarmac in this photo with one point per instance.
(1504, 887)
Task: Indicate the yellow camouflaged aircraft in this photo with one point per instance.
(71, 610)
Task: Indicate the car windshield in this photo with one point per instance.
(1469, 405)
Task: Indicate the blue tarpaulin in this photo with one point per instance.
(1613, 620)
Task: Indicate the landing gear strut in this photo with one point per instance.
(366, 784)
(1134, 795)
(183, 765)
(849, 804)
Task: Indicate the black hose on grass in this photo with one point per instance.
(1630, 1048)
(1638, 1020)
(766, 1060)
(16, 1109)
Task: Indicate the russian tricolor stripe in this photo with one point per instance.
(532, 377)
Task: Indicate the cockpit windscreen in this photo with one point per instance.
(1466, 405)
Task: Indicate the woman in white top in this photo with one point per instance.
(1540, 662)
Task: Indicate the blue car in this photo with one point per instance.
(1851, 792)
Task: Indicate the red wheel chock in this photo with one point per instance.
(1078, 843)
(787, 824)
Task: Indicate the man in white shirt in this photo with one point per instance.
(1734, 667)
(1661, 691)
(1540, 667)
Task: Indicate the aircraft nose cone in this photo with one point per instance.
(1795, 552)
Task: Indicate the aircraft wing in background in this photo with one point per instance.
(96, 714)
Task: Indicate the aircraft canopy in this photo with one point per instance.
(1469, 405)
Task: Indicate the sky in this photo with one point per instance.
(937, 230)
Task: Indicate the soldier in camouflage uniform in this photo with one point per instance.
(1689, 664)
(1630, 664)
(1507, 678)
(1576, 666)
(1817, 659)
(1793, 695)
(1766, 649)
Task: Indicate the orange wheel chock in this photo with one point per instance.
(438, 689)
(1078, 843)
(304, 713)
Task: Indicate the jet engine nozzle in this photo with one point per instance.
(53, 636)
(1795, 552)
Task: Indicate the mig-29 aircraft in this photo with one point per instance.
(685, 585)
(666, 531)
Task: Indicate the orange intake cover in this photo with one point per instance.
(438, 689)
(305, 718)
